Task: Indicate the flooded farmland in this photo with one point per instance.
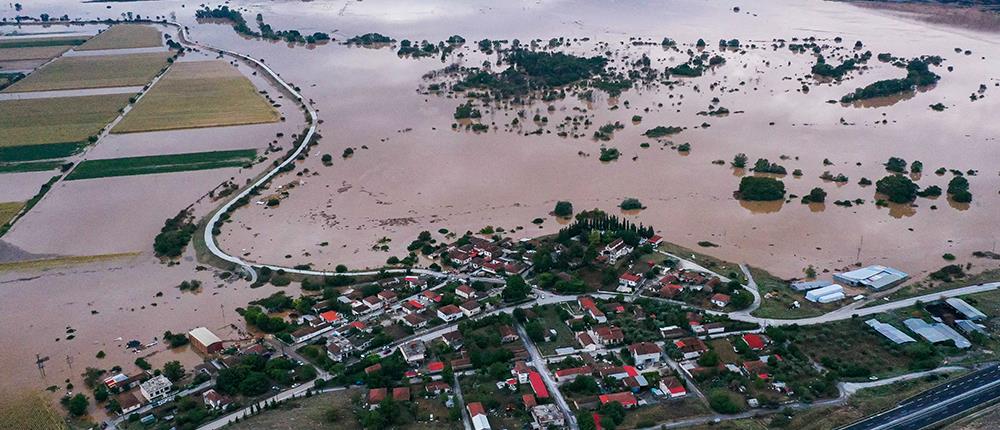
(411, 171)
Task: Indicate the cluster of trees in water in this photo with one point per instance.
(918, 74)
(531, 70)
(266, 32)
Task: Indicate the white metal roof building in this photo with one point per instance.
(967, 310)
(874, 277)
(810, 285)
(818, 294)
(937, 332)
(892, 333)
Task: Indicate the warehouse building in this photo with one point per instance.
(203, 340)
(827, 294)
(874, 277)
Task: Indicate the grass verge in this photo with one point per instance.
(162, 164)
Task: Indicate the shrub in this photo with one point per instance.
(898, 188)
(755, 188)
(631, 203)
(563, 209)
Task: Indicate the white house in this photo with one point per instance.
(628, 282)
(478, 414)
(470, 308)
(465, 292)
(449, 313)
(616, 250)
(155, 387)
(645, 353)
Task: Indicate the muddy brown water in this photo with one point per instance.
(418, 174)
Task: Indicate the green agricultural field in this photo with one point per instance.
(33, 166)
(162, 164)
(101, 71)
(123, 36)
(198, 94)
(8, 210)
(40, 152)
(56, 120)
(33, 53)
(33, 42)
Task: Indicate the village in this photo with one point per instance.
(514, 334)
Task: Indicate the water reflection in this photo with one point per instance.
(758, 208)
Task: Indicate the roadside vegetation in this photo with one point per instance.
(151, 164)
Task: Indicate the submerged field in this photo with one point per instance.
(99, 71)
(55, 121)
(124, 36)
(198, 94)
(161, 164)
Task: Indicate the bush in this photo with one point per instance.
(721, 402)
(898, 188)
(563, 209)
(817, 195)
(631, 203)
(755, 188)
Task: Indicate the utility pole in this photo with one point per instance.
(69, 361)
(860, 245)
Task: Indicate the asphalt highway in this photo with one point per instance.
(939, 403)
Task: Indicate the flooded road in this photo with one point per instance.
(411, 171)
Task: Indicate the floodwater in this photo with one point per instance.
(417, 174)
(411, 172)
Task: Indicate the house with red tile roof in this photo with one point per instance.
(376, 396)
(626, 399)
(720, 300)
(691, 347)
(373, 368)
(754, 341)
(412, 306)
(415, 320)
(508, 334)
(465, 292)
(654, 240)
(470, 308)
(478, 414)
(586, 341)
(608, 335)
(449, 313)
(566, 375)
(435, 367)
(401, 394)
(329, 316)
(645, 353)
(387, 296)
(756, 367)
(628, 281)
(538, 385)
(590, 308)
(672, 387)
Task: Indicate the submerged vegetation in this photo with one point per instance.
(760, 188)
(531, 71)
(265, 31)
(918, 74)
